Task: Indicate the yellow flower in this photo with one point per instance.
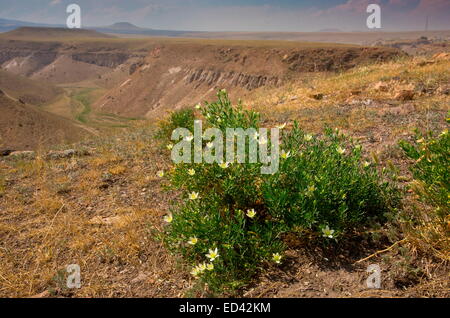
(224, 165)
(193, 241)
(210, 267)
(169, 146)
(213, 254)
(276, 257)
(251, 213)
(308, 137)
(191, 172)
(160, 173)
(193, 196)
(282, 126)
(168, 218)
(366, 164)
(311, 188)
(198, 106)
(340, 150)
(285, 154)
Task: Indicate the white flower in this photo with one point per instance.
(193, 196)
(276, 257)
(213, 254)
(366, 164)
(308, 137)
(340, 150)
(191, 172)
(262, 141)
(209, 145)
(160, 173)
(285, 154)
(198, 106)
(168, 218)
(224, 165)
(195, 272)
(189, 138)
(281, 127)
(251, 213)
(202, 267)
(193, 241)
(327, 232)
(210, 266)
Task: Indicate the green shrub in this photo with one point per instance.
(323, 186)
(431, 169)
(183, 118)
(325, 183)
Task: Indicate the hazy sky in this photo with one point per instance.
(237, 15)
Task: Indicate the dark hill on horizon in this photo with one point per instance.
(52, 33)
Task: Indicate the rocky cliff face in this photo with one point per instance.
(231, 78)
(148, 77)
(177, 75)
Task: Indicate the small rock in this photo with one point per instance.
(441, 56)
(318, 96)
(6, 152)
(404, 95)
(381, 87)
(443, 90)
(23, 154)
(66, 154)
(61, 154)
(44, 294)
(98, 220)
(141, 277)
(424, 63)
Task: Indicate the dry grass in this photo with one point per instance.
(100, 211)
(350, 100)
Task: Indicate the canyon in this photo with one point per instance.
(144, 78)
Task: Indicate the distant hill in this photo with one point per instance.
(26, 127)
(54, 33)
(27, 90)
(330, 30)
(128, 28)
(9, 25)
(125, 26)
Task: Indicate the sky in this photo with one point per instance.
(237, 15)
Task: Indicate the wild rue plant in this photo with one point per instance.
(230, 218)
(431, 169)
